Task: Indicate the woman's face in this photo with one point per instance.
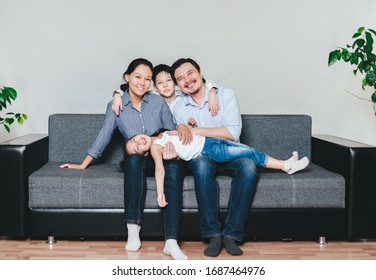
(139, 80)
(139, 144)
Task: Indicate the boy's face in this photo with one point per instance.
(164, 85)
(139, 144)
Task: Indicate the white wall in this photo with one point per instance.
(68, 56)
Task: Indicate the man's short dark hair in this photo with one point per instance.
(180, 62)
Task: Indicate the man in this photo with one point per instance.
(226, 124)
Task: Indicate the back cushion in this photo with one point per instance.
(71, 135)
(278, 135)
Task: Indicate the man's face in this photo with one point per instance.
(188, 78)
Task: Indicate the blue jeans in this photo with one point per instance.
(244, 174)
(225, 150)
(136, 169)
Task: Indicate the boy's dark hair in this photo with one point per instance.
(181, 61)
(160, 68)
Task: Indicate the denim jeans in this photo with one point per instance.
(244, 174)
(225, 150)
(136, 169)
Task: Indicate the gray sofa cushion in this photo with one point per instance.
(101, 186)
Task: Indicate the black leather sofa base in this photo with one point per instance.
(262, 225)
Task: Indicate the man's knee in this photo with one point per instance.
(202, 166)
(247, 168)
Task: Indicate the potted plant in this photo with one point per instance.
(7, 94)
(360, 54)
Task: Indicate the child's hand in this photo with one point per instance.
(192, 122)
(213, 103)
(162, 200)
(117, 104)
(185, 134)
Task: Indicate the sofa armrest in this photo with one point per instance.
(356, 163)
(19, 158)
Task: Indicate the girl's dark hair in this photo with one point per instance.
(132, 66)
(125, 154)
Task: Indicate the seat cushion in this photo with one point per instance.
(101, 186)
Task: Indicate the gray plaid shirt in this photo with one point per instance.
(154, 114)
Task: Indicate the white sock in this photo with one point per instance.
(133, 242)
(172, 249)
(293, 166)
(294, 157)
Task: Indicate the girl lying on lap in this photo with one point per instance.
(217, 149)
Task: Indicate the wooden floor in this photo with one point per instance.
(152, 250)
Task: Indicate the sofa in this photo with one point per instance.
(334, 197)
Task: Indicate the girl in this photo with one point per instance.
(218, 149)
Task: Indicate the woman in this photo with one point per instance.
(144, 113)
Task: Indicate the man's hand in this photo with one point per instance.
(169, 151)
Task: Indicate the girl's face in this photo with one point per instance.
(139, 80)
(164, 85)
(139, 144)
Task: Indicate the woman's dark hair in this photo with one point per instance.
(132, 66)
(125, 155)
(180, 62)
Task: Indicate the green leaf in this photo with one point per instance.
(359, 42)
(6, 127)
(346, 55)
(373, 97)
(24, 116)
(357, 34)
(371, 78)
(372, 31)
(2, 98)
(20, 120)
(9, 120)
(361, 29)
(354, 59)
(334, 56)
(364, 83)
(10, 92)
